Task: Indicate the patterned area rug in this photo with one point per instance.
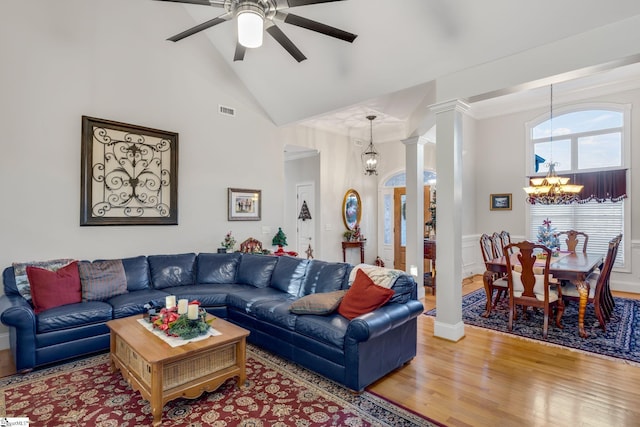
(279, 393)
(620, 341)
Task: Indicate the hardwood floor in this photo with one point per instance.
(493, 379)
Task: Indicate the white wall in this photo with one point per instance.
(62, 60)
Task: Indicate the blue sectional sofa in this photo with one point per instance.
(253, 291)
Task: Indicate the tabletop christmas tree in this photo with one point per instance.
(279, 240)
(547, 236)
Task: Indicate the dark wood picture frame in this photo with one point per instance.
(129, 174)
(500, 202)
(244, 204)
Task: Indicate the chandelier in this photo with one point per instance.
(370, 156)
(552, 189)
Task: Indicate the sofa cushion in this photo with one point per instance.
(405, 288)
(363, 297)
(102, 280)
(137, 271)
(20, 272)
(209, 295)
(133, 303)
(276, 312)
(322, 303)
(256, 270)
(73, 315)
(51, 289)
(217, 268)
(324, 276)
(172, 270)
(329, 329)
(244, 300)
(289, 274)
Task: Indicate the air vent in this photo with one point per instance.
(226, 111)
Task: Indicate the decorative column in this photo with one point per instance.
(449, 126)
(414, 149)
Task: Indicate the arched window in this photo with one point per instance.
(582, 141)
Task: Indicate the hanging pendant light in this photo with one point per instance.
(552, 189)
(370, 156)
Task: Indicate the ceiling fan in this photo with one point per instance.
(255, 15)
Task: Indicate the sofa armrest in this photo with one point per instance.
(385, 318)
(15, 311)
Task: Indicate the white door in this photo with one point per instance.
(305, 194)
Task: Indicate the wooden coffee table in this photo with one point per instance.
(162, 373)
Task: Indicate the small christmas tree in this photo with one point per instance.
(279, 240)
(547, 236)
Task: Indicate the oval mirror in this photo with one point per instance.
(351, 209)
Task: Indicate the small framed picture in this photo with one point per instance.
(500, 202)
(244, 205)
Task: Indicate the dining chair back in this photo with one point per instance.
(497, 245)
(529, 284)
(506, 239)
(574, 239)
(599, 288)
(492, 280)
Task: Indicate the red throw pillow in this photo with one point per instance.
(363, 297)
(54, 288)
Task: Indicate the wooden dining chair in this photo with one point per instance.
(530, 286)
(505, 236)
(599, 290)
(496, 239)
(573, 239)
(493, 281)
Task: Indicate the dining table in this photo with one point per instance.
(572, 266)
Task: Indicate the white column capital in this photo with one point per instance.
(414, 140)
(452, 105)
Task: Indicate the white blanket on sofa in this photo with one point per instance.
(381, 276)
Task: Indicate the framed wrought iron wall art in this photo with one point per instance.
(244, 205)
(129, 174)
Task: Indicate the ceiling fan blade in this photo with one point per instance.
(191, 31)
(201, 2)
(286, 43)
(318, 27)
(240, 50)
(296, 3)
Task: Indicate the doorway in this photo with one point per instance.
(400, 224)
(305, 236)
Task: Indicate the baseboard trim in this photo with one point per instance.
(447, 331)
(4, 341)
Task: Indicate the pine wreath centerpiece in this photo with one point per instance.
(181, 325)
(547, 236)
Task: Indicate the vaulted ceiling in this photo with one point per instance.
(402, 48)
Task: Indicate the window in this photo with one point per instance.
(581, 140)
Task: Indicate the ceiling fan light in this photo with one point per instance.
(250, 25)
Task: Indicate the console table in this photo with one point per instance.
(358, 244)
(430, 254)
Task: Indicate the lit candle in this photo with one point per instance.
(170, 301)
(193, 311)
(182, 306)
